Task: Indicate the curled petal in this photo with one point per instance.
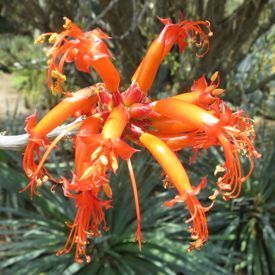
(201, 186)
(199, 228)
(86, 49)
(30, 123)
(89, 218)
(124, 150)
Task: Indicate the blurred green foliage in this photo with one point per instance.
(32, 232)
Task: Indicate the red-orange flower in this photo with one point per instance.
(177, 176)
(86, 49)
(234, 132)
(86, 225)
(32, 160)
(110, 119)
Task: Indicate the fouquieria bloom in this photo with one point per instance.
(107, 118)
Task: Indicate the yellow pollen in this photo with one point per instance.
(194, 237)
(68, 23)
(104, 160)
(40, 39)
(39, 182)
(114, 161)
(58, 76)
(217, 92)
(107, 190)
(114, 164)
(53, 38)
(214, 195)
(167, 183)
(198, 243)
(56, 88)
(96, 152)
(214, 76)
(219, 169)
(45, 178)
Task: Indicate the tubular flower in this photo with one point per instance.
(86, 49)
(202, 94)
(178, 177)
(233, 131)
(89, 217)
(170, 35)
(111, 118)
(32, 155)
(32, 160)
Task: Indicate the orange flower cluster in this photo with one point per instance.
(110, 117)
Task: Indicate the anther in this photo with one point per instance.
(68, 23)
(40, 39)
(52, 39)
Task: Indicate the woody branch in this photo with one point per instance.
(19, 142)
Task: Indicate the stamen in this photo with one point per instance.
(52, 39)
(96, 152)
(107, 190)
(68, 23)
(167, 184)
(58, 76)
(45, 156)
(139, 236)
(219, 169)
(104, 160)
(40, 39)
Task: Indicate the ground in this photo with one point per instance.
(11, 103)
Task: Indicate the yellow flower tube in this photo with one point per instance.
(168, 161)
(62, 111)
(178, 177)
(171, 126)
(147, 71)
(108, 73)
(115, 123)
(188, 113)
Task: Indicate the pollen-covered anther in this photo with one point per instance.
(197, 244)
(103, 159)
(114, 164)
(96, 153)
(243, 149)
(107, 190)
(50, 53)
(224, 186)
(217, 92)
(219, 169)
(45, 179)
(214, 195)
(106, 228)
(52, 39)
(40, 39)
(68, 23)
(56, 87)
(167, 184)
(39, 182)
(214, 76)
(58, 76)
(29, 173)
(194, 236)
